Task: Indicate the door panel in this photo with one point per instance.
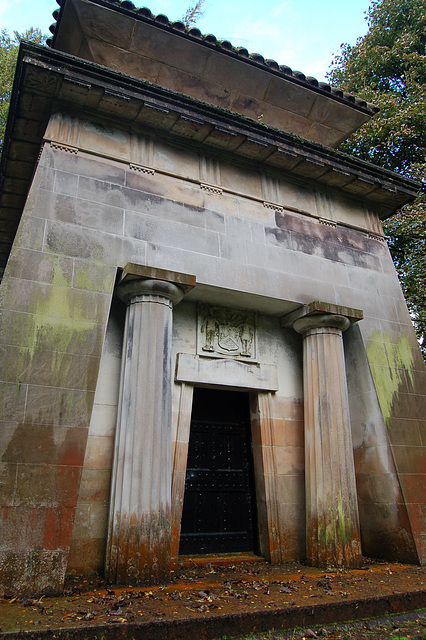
(218, 511)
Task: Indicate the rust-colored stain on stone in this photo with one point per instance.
(140, 549)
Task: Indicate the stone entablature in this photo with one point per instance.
(206, 170)
(55, 78)
(154, 158)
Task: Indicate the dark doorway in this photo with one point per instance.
(219, 504)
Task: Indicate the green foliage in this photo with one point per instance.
(193, 13)
(9, 46)
(388, 68)
(407, 242)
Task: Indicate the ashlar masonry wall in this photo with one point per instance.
(103, 197)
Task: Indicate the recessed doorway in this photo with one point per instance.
(219, 510)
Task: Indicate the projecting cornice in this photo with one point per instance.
(120, 36)
(210, 41)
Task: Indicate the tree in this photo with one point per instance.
(388, 68)
(9, 46)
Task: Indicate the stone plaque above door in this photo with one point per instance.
(226, 333)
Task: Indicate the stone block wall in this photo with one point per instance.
(55, 304)
(103, 197)
(88, 542)
(385, 528)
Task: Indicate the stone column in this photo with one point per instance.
(138, 549)
(332, 523)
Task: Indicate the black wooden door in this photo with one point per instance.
(219, 502)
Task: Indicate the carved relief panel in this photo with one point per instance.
(226, 333)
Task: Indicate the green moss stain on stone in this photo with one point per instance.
(338, 543)
(388, 362)
(69, 401)
(83, 279)
(94, 278)
(337, 530)
(18, 330)
(60, 314)
(59, 278)
(343, 523)
(54, 324)
(59, 332)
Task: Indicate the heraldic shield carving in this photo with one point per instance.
(228, 333)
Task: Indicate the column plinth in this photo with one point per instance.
(138, 549)
(333, 535)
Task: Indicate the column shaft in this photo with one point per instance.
(140, 519)
(333, 537)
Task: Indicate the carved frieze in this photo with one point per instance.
(226, 333)
(140, 169)
(327, 222)
(59, 146)
(40, 80)
(211, 189)
(377, 236)
(275, 207)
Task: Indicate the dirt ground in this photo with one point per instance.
(204, 587)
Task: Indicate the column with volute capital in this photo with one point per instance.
(332, 522)
(138, 547)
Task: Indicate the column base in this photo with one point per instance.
(140, 552)
(333, 543)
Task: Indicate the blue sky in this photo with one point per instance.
(303, 34)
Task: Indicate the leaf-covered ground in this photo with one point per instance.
(208, 588)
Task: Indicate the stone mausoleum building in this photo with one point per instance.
(204, 345)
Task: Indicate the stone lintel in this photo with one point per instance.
(133, 271)
(226, 372)
(321, 308)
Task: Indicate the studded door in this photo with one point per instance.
(219, 503)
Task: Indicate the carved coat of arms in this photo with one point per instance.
(226, 333)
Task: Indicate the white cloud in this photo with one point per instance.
(282, 9)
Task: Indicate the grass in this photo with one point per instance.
(411, 626)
